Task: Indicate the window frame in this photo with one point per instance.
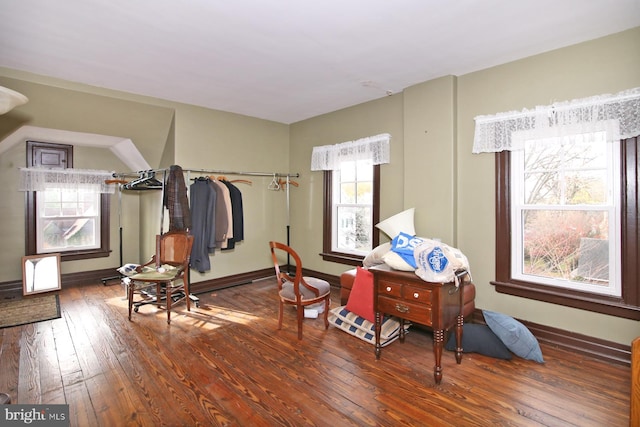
(626, 306)
(328, 254)
(611, 206)
(32, 212)
(62, 200)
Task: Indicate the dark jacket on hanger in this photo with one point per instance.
(175, 199)
(237, 213)
(203, 201)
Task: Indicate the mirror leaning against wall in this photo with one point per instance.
(40, 273)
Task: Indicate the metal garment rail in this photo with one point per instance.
(211, 171)
(274, 175)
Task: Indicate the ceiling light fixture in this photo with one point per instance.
(9, 99)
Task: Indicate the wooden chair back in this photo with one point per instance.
(282, 277)
(174, 248)
(319, 292)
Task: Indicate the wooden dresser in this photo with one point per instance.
(408, 297)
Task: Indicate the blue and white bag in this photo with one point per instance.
(438, 263)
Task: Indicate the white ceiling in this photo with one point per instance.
(288, 60)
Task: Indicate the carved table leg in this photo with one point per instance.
(438, 344)
(459, 325)
(378, 327)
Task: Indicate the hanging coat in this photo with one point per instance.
(203, 200)
(237, 214)
(224, 226)
(175, 200)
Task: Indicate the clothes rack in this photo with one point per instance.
(275, 175)
(208, 171)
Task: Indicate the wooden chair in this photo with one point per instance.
(298, 290)
(169, 274)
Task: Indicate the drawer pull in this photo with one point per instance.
(388, 289)
(416, 295)
(402, 308)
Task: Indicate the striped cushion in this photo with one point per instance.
(361, 328)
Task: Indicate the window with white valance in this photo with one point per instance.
(351, 196)
(67, 210)
(374, 148)
(566, 201)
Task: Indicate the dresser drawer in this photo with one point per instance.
(418, 313)
(416, 294)
(389, 288)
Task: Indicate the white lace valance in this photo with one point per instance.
(374, 148)
(39, 179)
(494, 133)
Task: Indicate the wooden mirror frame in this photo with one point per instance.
(36, 281)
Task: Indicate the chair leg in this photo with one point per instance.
(167, 292)
(186, 294)
(327, 303)
(130, 288)
(280, 315)
(300, 319)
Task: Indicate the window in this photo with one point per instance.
(67, 220)
(72, 222)
(351, 196)
(351, 211)
(352, 208)
(567, 202)
(565, 213)
(567, 224)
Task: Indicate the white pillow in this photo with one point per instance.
(395, 261)
(402, 221)
(128, 269)
(374, 257)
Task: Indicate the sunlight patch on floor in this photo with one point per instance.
(224, 313)
(205, 316)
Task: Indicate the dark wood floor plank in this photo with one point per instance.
(49, 365)
(152, 350)
(10, 361)
(107, 349)
(226, 364)
(29, 390)
(81, 409)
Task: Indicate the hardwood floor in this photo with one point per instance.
(226, 364)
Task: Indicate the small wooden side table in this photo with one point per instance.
(406, 296)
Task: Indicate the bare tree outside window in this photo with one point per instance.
(564, 201)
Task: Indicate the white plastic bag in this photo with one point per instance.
(437, 262)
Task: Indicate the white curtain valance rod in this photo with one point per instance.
(40, 179)
(617, 115)
(558, 106)
(374, 148)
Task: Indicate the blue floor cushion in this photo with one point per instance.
(479, 339)
(514, 335)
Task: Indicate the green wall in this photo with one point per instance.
(606, 65)
(431, 169)
(165, 133)
(452, 189)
